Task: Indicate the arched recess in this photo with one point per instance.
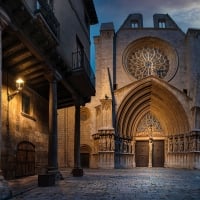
(85, 152)
(25, 159)
(151, 95)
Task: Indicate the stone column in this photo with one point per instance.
(52, 151)
(150, 151)
(52, 174)
(133, 143)
(77, 171)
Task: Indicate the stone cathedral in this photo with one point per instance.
(146, 111)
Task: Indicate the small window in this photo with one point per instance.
(80, 51)
(42, 3)
(38, 5)
(25, 103)
(162, 24)
(185, 91)
(134, 24)
(50, 2)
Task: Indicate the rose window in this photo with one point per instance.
(147, 61)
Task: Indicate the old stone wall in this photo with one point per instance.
(66, 123)
(18, 128)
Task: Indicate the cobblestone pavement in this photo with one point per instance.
(125, 184)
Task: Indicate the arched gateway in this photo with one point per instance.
(147, 117)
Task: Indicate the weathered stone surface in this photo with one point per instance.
(137, 184)
(5, 191)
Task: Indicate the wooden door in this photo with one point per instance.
(158, 153)
(142, 153)
(25, 160)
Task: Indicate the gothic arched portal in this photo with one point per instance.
(147, 116)
(151, 95)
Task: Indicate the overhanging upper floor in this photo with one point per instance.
(29, 48)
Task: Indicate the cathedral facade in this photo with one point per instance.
(146, 111)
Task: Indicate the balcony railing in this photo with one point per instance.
(81, 62)
(47, 13)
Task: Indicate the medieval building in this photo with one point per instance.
(146, 111)
(46, 44)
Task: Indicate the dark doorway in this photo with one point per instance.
(158, 153)
(85, 162)
(25, 159)
(142, 153)
(85, 156)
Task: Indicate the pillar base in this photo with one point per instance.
(53, 170)
(77, 172)
(45, 180)
(49, 178)
(5, 191)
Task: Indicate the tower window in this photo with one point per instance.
(162, 24)
(185, 91)
(134, 24)
(42, 3)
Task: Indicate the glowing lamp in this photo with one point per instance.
(19, 86)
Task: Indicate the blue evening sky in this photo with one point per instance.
(186, 13)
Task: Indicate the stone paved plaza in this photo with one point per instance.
(134, 184)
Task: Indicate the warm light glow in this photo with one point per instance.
(19, 83)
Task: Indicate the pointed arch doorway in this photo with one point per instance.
(150, 97)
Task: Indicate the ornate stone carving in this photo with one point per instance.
(124, 145)
(147, 61)
(104, 114)
(105, 138)
(150, 56)
(184, 143)
(149, 125)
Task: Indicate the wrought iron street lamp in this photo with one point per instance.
(19, 87)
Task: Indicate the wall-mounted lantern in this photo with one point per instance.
(19, 86)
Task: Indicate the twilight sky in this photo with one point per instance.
(186, 13)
